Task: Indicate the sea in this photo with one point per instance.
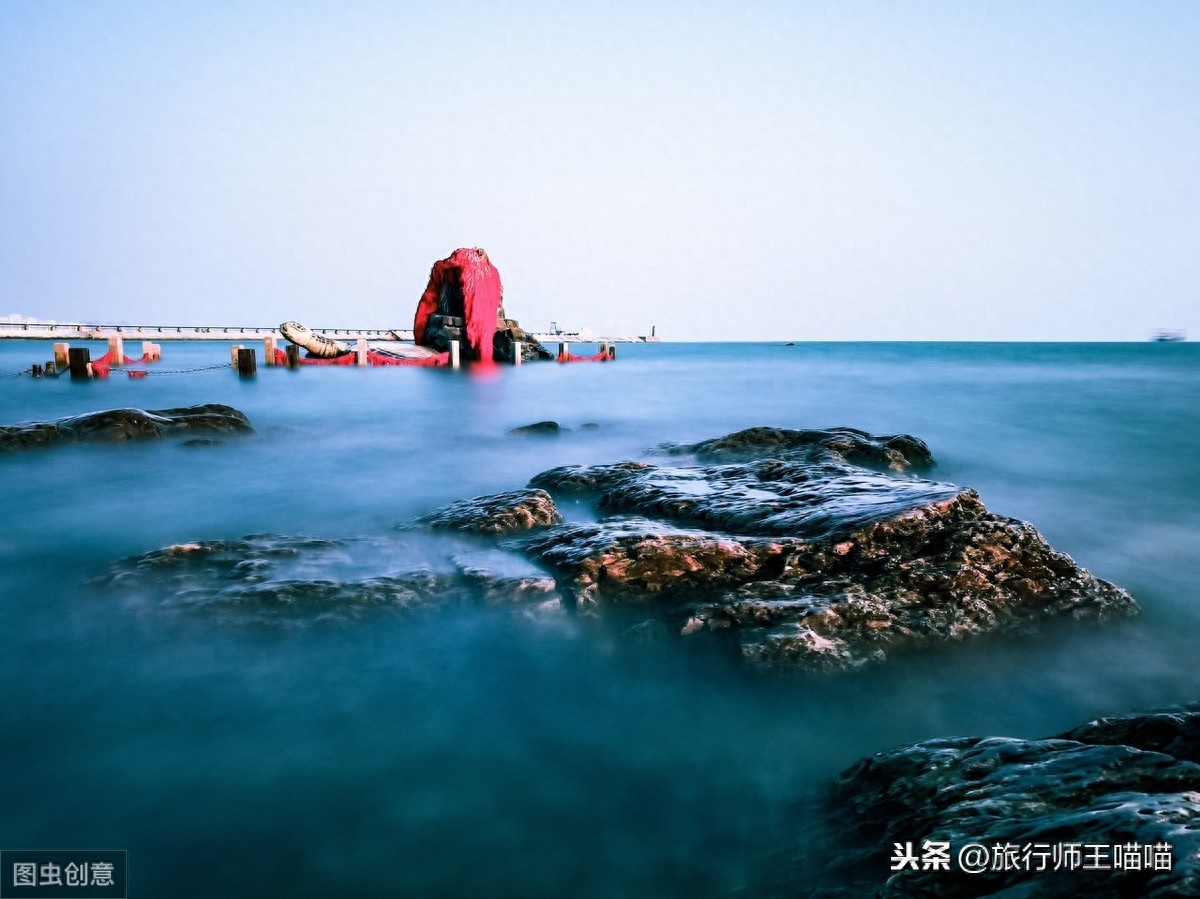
(481, 751)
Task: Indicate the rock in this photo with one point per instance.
(808, 560)
(820, 499)
(276, 580)
(826, 556)
(511, 334)
(221, 556)
(635, 559)
(538, 428)
(502, 578)
(898, 452)
(1173, 731)
(1130, 787)
(942, 572)
(501, 513)
(126, 424)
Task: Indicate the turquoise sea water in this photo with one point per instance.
(485, 753)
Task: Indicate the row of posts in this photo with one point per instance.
(78, 360)
(243, 358)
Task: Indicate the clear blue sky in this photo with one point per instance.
(833, 170)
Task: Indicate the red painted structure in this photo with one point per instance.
(464, 283)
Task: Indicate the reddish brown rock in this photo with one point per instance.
(501, 513)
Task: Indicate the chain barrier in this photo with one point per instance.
(184, 371)
(143, 371)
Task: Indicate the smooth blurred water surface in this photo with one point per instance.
(480, 752)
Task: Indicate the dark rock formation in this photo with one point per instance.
(898, 452)
(126, 424)
(542, 428)
(502, 513)
(223, 556)
(808, 560)
(1127, 785)
(508, 334)
(275, 580)
(824, 556)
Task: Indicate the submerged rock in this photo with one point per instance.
(543, 428)
(501, 513)
(808, 560)
(126, 424)
(1123, 794)
(826, 555)
(281, 581)
(898, 452)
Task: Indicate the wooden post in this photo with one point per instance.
(612, 351)
(455, 360)
(233, 354)
(247, 364)
(516, 352)
(116, 351)
(564, 350)
(269, 350)
(604, 351)
(61, 361)
(51, 367)
(35, 370)
(293, 355)
(79, 360)
(361, 350)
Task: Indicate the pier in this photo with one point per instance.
(84, 331)
(80, 331)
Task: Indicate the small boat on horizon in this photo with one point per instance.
(1166, 336)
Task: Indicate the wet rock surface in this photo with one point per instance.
(898, 452)
(278, 580)
(114, 425)
(1129, 784)
(807, 560)
(546, 428)
(636, 559)
(500, 513)
(802, 560)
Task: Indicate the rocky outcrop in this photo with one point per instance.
(636, 560)
(282, 581)
(538, 429)
(825, 555)
(441, 328)
(821, 557)
(501, 513)
(126, 424)
(1110, 809)
(898, 452)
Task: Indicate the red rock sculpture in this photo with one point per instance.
(465, 284)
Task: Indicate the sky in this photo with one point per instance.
(723, 171)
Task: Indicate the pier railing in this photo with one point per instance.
(85, 331)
